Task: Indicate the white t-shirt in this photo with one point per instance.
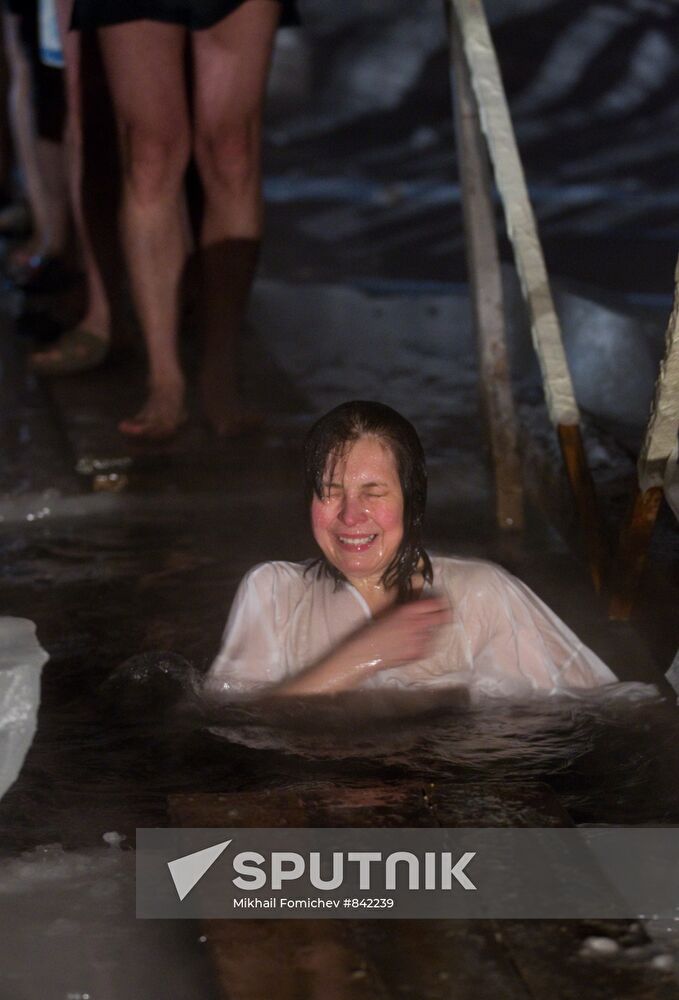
(502, 639)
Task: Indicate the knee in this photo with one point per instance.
(228, 158)
(154, 163)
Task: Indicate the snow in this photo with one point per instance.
(69, 930)
(601, 946)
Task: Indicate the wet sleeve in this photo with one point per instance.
(251, 655)
(522, 637)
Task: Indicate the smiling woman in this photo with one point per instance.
(375, 609)
(357, 520)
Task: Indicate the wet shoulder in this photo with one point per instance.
(277, 574)
(469, 578)
(277, 587)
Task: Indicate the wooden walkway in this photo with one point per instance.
(88, 407)
(434, 959)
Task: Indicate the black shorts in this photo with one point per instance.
(194, 14)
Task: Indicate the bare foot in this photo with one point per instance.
(159, 419)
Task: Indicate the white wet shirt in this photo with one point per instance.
(503, 640)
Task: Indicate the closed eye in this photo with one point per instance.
(331, 490)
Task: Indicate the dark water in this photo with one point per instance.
(610, 757)
(107, 764)
(117, 734)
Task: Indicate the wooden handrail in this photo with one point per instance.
(469, 18)
(658, 449)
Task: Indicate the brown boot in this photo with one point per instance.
(227, 269)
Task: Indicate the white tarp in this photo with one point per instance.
(21, 661)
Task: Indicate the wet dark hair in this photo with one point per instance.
(328, 440)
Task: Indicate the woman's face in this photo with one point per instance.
(359, 522)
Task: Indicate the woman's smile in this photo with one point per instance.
(356, 543)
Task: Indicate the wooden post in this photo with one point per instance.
(575, 459)
(633, 546)
(485, 278)
(658, 448)
(496, 124)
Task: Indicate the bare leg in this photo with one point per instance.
(231, 64)
(50, 160)
(145, 68)
(39, 160)
(97, 318)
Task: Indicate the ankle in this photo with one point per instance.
(170, 387)
(97, 326)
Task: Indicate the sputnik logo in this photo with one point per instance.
(187, 872)
(288, 866)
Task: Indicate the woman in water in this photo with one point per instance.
(375, 609)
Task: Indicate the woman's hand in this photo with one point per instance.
(401, 635)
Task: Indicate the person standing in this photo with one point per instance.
(160, 126)
(86, 345)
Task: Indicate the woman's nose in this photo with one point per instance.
(352, 511)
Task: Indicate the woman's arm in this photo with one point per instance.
(403, 634)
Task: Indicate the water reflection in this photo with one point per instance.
(610, 757)
(611, 754)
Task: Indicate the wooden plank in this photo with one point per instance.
(89, 406)
(486, 82)
(495, 805)
(485, 278)
(293, 959)
(522, 230)
(356, 959)
(404, 803)
(635, 538)
(313, 804)
(444, 960)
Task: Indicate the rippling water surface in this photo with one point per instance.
(610, 756)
